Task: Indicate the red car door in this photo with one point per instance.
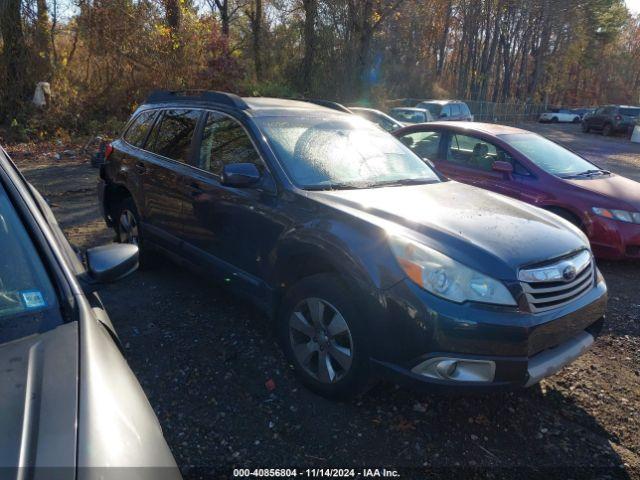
(471, 159)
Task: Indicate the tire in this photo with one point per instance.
(128, 230)
(335, 333)
(576, 120)
(554, 120)
(585, 127)
(607, 130)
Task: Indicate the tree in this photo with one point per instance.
(14, 58)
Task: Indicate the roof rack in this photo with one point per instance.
(167, 96)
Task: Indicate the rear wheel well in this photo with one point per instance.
(114, 195)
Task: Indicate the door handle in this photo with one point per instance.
(141, 167)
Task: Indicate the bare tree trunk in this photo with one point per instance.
(442, 44)
(223, 8)
(173, 14)
(541, 50)
(310, 40)
(42, 45)
(255, 14)
(14, 57)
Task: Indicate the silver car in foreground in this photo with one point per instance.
(70, 406)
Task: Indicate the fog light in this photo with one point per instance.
(457, 369)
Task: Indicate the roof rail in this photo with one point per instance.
(168, 96)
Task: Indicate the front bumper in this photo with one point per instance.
(614, 240)
(524, 347)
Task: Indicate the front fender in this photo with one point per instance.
(357, 251)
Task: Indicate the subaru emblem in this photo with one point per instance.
(569, 273)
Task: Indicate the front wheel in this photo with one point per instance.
(585, 127)
(607, 130)
(576, 120)
(554, 120)
(322, 330)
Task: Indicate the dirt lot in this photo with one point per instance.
(203, 358)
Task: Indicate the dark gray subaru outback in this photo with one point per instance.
(368, 261)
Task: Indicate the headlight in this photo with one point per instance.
(622, 215)
(445, 277)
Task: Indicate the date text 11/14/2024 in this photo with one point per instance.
(315, 473)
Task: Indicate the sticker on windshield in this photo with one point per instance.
(33, 299)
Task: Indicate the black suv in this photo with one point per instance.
(612, 119)
(365, 258)
(447, 110)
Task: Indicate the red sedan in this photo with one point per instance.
(531, 168)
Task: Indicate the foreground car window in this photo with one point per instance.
(343, 152)
(28, 303)
(547, 155)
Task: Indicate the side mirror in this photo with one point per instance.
(109, 263)
(502, 167)
(240, 175)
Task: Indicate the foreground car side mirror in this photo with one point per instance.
(240, 175)
(109, 263)
(502, 167)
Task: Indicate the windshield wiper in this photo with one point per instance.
(588, 173)
(404, 182)
(339, 186)
(366, 185)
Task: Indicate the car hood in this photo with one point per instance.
(489, 232)
(38, 400)
(614, 187)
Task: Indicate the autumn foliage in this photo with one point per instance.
(102, 57)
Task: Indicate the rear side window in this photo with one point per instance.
(137, 133)
(224, 142)
(455, 110)
(630, 112)
(465, 109)
(173, 134)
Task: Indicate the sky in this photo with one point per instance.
(633, 5)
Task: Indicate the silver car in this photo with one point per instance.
(70, 406)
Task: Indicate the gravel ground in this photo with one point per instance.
(209, 364)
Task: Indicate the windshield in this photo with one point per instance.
(409, 116)
(27, 299)
(434, 108)
(549, 156)
(630, 112)
(342, 151)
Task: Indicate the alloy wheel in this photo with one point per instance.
(321, 340)
(128, 228)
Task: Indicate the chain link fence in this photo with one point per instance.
(505, 112)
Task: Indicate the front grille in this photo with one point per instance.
(557, 291)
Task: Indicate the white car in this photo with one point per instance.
(558, 115)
